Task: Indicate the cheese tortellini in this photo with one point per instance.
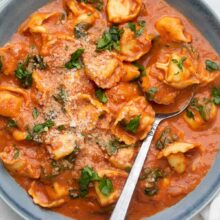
(132, 47)
(179, 71)
(118, 179)
(174, 153)
(123, 158)
(134, 121)
(120, 11)
(172, 29)
(105, 69)
(35, 24)
(17, 162)
(200, 113)
(89, 113)
(48, 196)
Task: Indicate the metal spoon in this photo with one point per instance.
(122, 205)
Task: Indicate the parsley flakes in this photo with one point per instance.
(133, 124)
(211, 66)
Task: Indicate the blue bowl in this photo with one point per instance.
(12, 13)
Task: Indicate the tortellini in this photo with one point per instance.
(104, 69)
(134, 121)
(10, 104)
(61, 145)
(200, 113)
(11, 101)
(48, 196)
(90, 113)
(120, 11)
(174, 153)
(132, 47)
(132, 72)
(155, 89)
(179, 71)
(118, 179)
(17, 162)
(123, 158)
(172, 29)
(36, 23)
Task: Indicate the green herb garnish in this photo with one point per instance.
(141, 68)
(165, 138)
(179, 63)
(12, 124)
(151, 93)
(190, 114)
(211, 66)
(35, 113)
(98, 4)
(80, 30)
(137, 31)
(61, 127)
(61, 97)
(87, 175)
(151, 191)
(106, 186)
(133, 124)
(110, 39)
(24, 76)
(39, 128)
(16, 153)
(75, 61)
(215, 96)
(37, 62)
(100, 95)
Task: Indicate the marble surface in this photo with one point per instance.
(6, 213)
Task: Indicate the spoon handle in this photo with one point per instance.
(122, 205)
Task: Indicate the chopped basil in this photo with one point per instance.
(133, 124)
(80, 30)
(35, 113)
(200, 108)
(215, 96)
(110, 39)
(211, 66)
(165, 138)
(190, 114)
(61, 97)
(16, 153)
(151, 191)
(113, 145)
(106, 186)
(39, 128)
(12, 124)
(87, 175)
(60, 127)
(141, 68)
(137, 31)
(75, 61)
(179, 63)
(151, 93)
(100, 95)
(24, 76)
(98, 4)
(152, 176)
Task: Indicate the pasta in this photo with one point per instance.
(81, 83)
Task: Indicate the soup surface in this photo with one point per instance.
(80, 83)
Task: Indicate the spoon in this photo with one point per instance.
(122, 205)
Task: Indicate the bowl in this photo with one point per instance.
(12, 13)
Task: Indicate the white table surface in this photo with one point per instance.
(7, 213)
